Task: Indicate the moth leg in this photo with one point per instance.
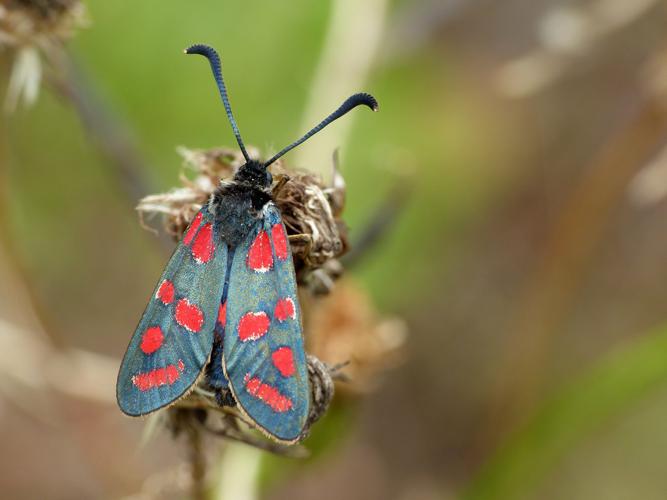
(336, 372)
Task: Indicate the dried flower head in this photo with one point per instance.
(310, 210)
(35, 30)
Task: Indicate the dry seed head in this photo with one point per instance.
(35, 30)
(321, 389)
(310, 209)
(39, 23)
(307, 209)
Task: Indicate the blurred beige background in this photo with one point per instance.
(529, 260)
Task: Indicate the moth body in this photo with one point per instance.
(236, 205)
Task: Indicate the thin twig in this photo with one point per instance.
(114, 142)
(353, 36)
(197, 462)
(262, 444)
(378, 226)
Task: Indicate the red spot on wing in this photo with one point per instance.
(222, 313)
(158, 377)
(260, 258)
(268, 394)
(203, 248)
(283, 360)
(189, 315)
(285, 309)
(166, 292)
(194, 225)
(279, 241)
(151, 340)
(253, 326)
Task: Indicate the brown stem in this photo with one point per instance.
(111, 138)
(197, 462)
(380, 224)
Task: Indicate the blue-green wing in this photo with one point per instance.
(263, 354)
(174, 338)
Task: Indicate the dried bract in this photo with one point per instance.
(34, 31)
(310, 210)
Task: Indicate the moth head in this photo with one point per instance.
(254, 173)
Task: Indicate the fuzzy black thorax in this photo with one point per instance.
(238, 203)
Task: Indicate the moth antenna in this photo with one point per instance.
(349, 104)
(216, 66)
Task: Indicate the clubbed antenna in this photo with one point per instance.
(349, 104)
(213, 58)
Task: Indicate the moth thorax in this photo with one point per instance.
(216, 200)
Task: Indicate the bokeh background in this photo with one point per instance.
(520, 157)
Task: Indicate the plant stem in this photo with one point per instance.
(111, 137)
(353, 36)
(197, 463)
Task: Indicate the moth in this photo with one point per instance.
(226, 306)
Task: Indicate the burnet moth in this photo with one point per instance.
(226, 306)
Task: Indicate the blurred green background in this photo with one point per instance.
(529, 261)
